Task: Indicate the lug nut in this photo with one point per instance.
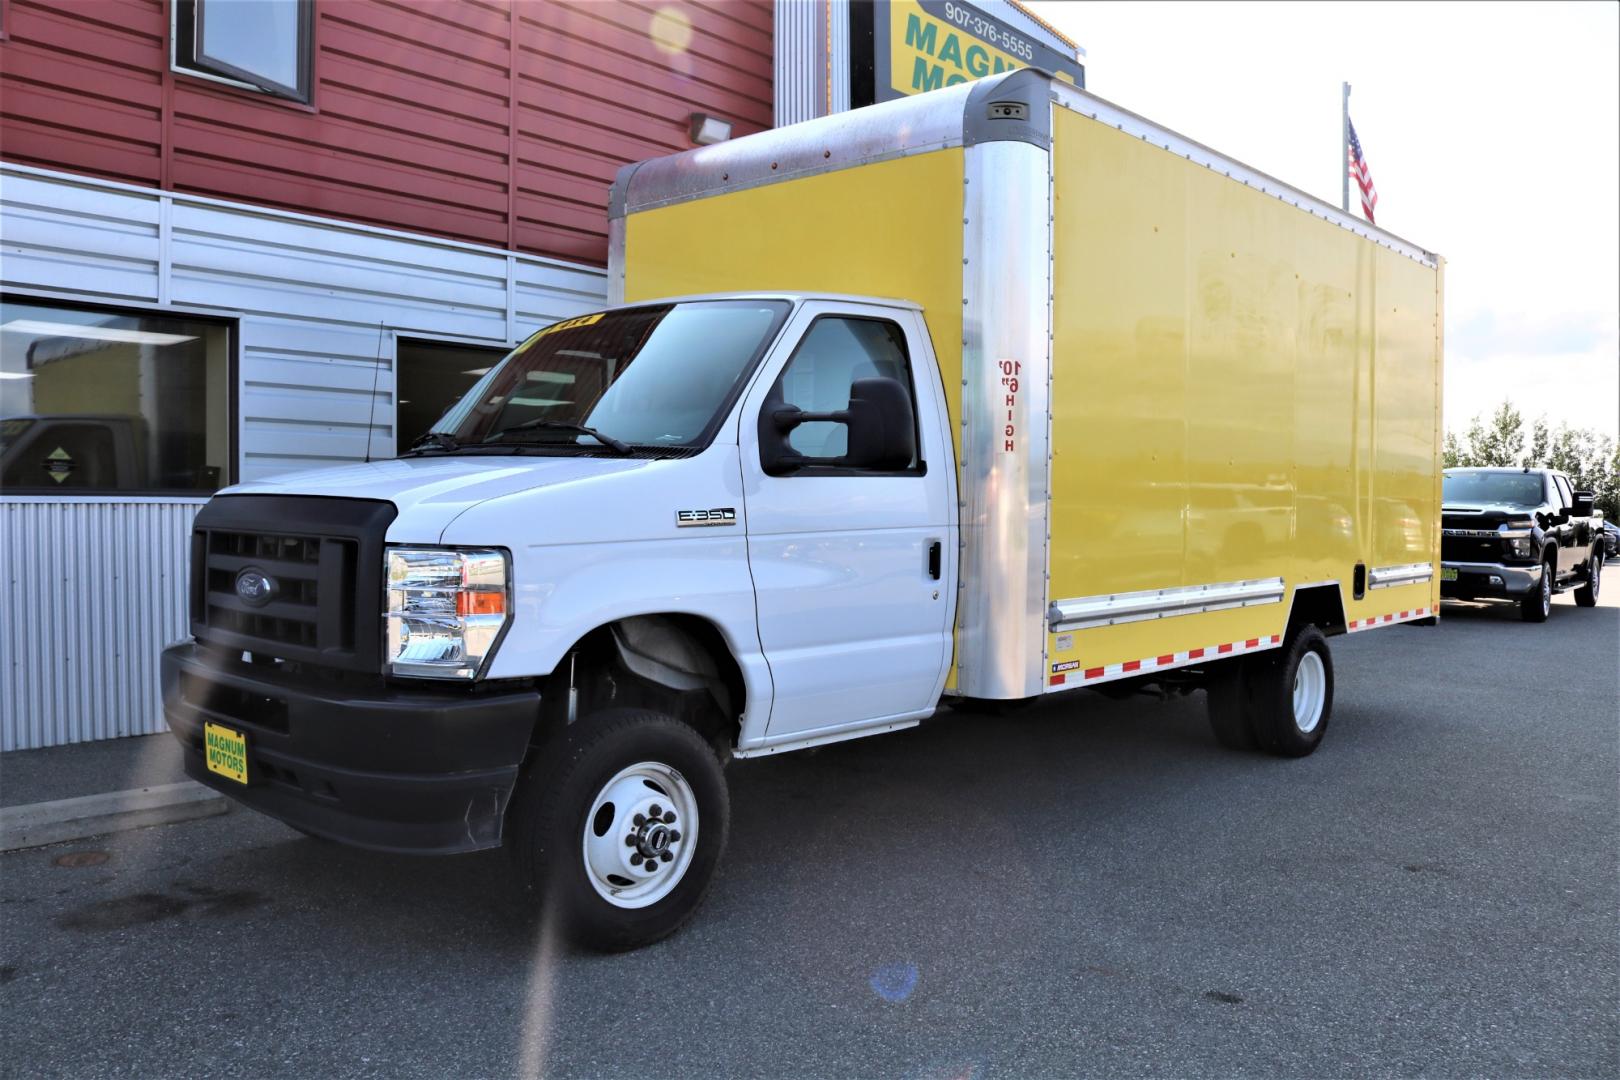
(639, 820)
(674, 835)
(669, 818)
(667, 857)
(635, 858)
(629, 841)
(656, 811)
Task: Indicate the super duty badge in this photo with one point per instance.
(723, 515)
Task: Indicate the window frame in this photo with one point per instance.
(404, 340)
(774, 398)
(230, 321)
(225, 74)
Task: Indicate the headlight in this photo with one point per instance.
(1516, 536)
(446, 608)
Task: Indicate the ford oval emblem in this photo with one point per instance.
(255, 587)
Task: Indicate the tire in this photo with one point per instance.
(584, 815)
(1537, 603)
(1227, 694)
(1587, 594)
(1290, 694)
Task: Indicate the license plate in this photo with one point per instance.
(1448, 573)
(225, 752)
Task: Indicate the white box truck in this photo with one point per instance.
(987, 394)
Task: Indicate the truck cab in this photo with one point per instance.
(1518, 534)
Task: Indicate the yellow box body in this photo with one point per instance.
(1242, 388)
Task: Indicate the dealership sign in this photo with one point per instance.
(921, 45)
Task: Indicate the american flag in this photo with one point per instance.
(1363, 178)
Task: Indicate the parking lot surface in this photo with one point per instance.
(1087, 887)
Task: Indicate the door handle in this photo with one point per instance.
(935, 551)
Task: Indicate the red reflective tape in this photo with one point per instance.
(1057, 680)
(1195, 654)
(1131, 665)
(1251, 643)
(1094, 672)
(1224, 649)
(1404, 614)
(1168, 658)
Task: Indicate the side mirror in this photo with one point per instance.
(882, 430)
(1583, 503)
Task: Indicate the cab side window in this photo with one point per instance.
(835, 353)
(1564, 497)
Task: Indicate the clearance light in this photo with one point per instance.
(446, 610)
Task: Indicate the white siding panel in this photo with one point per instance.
(93, 592)
(56, 235)
(96, 587)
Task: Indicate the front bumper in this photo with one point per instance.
(1476, 579)
(422, 771)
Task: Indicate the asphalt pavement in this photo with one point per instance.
(1087, 887)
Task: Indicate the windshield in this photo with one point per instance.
(660, 376)
(1509, 488)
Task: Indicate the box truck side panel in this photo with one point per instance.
(1215, 409)
(890, 229)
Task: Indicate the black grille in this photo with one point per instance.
(322, 560)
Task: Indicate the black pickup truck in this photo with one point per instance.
(1518, 534)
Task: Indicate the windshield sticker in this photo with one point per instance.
(570, 324)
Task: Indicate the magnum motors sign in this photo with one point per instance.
(921, 45)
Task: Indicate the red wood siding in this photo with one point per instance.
(419, 121)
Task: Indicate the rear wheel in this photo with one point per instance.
(1290, 692)
(1587, 594)
(1537, 604)
(619, 827)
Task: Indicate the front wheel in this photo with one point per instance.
(1537, 603)
(1587, 594)
(619, 827)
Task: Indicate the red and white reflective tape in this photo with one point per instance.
(1392, 617)
(1071, 673)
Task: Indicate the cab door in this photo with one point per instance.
(853, 567)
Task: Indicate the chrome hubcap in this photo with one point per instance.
(1310, 692)
(640, 835)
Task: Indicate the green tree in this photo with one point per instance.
(1497, 445)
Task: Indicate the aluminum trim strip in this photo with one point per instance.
(1162, 603)
(1383, 577)
(1104, 111)
(1006, 384)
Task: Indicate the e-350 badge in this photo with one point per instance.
(722, 515)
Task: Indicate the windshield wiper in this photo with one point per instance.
(435, 440)
(567, 425)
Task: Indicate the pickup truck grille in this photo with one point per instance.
(313, 570)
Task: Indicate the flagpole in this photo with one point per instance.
(1344, 149)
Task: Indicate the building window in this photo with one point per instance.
(261, 44)
(100, 402)
(432, 376)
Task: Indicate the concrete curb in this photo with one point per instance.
(38, 824)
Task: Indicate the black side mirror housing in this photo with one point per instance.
(1583, 503)
(882, 430)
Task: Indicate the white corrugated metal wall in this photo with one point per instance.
(314, 299)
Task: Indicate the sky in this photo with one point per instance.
(1492, 131)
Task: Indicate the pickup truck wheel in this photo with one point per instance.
(619, 827)
(1537, 604)
(1291, 694)
(1587, 594)
(1228, 704)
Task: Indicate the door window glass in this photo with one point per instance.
(1565, 499)
(835, 353)
(100, 401)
